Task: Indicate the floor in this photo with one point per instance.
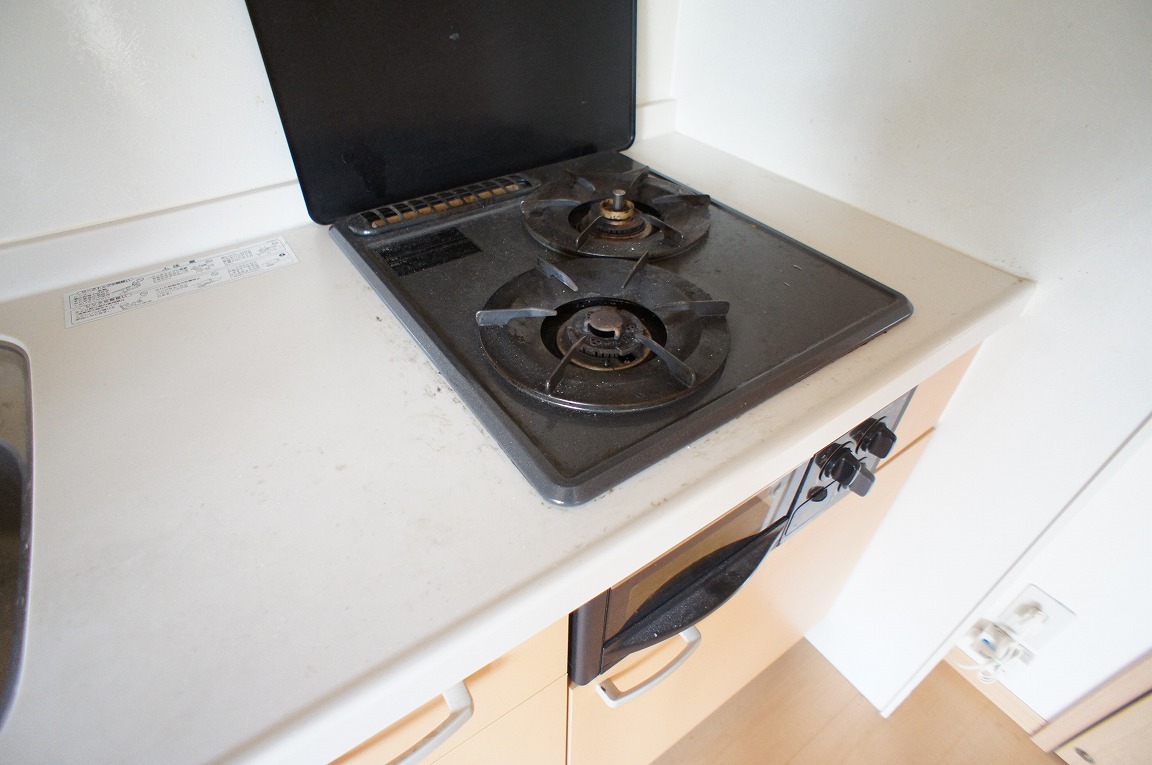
(801, 711)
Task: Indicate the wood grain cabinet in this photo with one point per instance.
(518, 713)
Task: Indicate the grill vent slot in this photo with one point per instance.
(398, 214)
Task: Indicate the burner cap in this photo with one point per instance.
(625, 215)
(604, 336)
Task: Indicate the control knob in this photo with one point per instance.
(843, 467)
(874, 437)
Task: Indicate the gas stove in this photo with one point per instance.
(593, 313)
(597, 316)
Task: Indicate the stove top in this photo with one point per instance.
(597, 316)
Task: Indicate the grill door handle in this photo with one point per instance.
(460, 708)
(614, 697)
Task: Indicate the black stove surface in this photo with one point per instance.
(763, 311)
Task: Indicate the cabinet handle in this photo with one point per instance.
(614, 697)
(460, 709)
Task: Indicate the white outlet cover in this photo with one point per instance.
(1035, 633)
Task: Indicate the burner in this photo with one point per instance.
(624, 215)
(614, 218)
(604, 336)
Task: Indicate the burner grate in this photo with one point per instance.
(627, 215)
(604, 335)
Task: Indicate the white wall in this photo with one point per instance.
(1020, 133)
(115, 108)
(656, 49)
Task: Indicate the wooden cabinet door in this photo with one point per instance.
(1124, 738)
(497, 690)
(531, 734)
(791, 591)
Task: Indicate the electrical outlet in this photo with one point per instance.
(1035, 617)
(1029, 621)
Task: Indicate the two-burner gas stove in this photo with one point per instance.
(597, 316)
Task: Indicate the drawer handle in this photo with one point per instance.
(460, 709)
(614, 697)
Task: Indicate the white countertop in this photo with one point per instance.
(265, 527)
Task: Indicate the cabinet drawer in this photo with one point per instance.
(531, 734)
(496, 689)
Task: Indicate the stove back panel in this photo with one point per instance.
(383, 101)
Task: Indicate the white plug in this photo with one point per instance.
(995, 648)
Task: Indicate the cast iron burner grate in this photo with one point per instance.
(604, 335)
(618, 215)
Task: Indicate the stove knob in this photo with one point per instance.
(863, 481)
(876, 438)
(842, 466)
(845, 469)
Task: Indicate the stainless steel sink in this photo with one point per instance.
(15, 514)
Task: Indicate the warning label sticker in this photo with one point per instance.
(93, 303)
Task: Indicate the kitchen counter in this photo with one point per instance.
(264, 525)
